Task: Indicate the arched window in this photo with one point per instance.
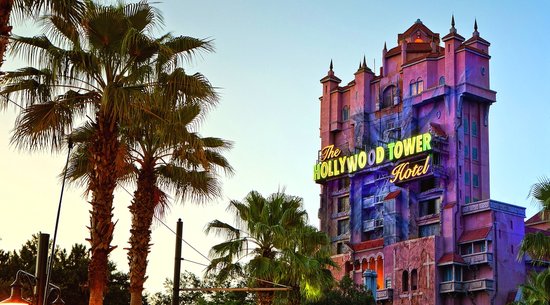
(345, 113)
(442, 80)
(414, 279)
(405, 281)
(389, 95)
(379, 272)
(416, 86)
(364, 265)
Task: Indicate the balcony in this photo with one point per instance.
(478, 258)
(384, 294)
(449, 287)
(369, 202)
(479, 285)
(371, 224)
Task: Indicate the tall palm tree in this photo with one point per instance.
(167, 157)
(537, 245)
(33, 8)
(96, 70)
(272, 233)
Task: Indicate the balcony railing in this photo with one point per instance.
(371, 224)
(371, 201)
(479, 285)
(449, 287)
(384, 294)
(478, 258)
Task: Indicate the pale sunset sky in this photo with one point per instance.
(269, 58)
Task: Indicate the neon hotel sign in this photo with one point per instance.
(332, 163)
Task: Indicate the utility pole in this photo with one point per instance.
(177, 264)
(40, 272)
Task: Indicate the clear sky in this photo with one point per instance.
(270, 56)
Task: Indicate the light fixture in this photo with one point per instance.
(16, 296)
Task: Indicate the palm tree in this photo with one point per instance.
(537, 245)
(96, 70)
(537, 289)
(272, 233)
(24, 8)
(167, 157)
(306, 264)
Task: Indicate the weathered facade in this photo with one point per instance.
(404, 175)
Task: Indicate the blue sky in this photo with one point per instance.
(270, 56)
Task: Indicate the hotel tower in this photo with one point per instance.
(404, 175)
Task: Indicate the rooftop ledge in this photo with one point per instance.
(493, 205)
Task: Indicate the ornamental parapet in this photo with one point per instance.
(493, 205)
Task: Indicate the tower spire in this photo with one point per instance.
(364, 61)
(476, 33)
(453, 29)
(331, 66)
(385, 48)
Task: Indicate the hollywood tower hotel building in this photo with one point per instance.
(404, 175)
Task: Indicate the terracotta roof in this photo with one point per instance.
(473, 235)
(415, 27)
(369, 244)
(535, 230)
(393, 51)
(449, 258)
(392, 195)
(537, 218)
(453, 35)
(477, 38)
(437, 130)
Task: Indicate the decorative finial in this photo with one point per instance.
(385, 48)
(476, 33)
(418, 21)
(364, 62)
(452, 29)
(330, 67)
(359, 66)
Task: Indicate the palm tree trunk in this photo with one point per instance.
(103, 154)
(142, 209)
(265, 297)
(5, 28)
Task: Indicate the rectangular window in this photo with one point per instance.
(466, 124)
(467, 199)
(429, 207)
(339, 248)
(466, 249)
(388, 283)
(467, 178)
(429, 230)
(343, 183)
(479, 246)
(466, 151)
(475, 199)
(343, 226)
(474, 128)
(475, 180)
(427, 184)
(458, 274)
(448, 274)
(343, 204)
(474, 153)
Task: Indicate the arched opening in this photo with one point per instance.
(364, 265)
(388, 96)
(356, 265)
(405, 281)
(414, 279)
(380, 272)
